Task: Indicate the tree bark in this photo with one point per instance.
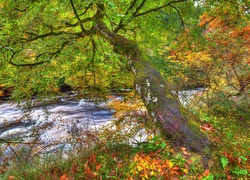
(174, 120)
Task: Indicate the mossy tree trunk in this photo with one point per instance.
(174, 120)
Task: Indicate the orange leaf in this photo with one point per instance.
(64, 177)
(11, 178)
(98, 166)
(206, 173)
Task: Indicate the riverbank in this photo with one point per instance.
(109, 154)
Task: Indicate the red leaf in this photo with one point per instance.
(207, 127)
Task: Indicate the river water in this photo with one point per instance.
(63, 119)
(50, 130)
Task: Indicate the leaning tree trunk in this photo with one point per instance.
(174, 120)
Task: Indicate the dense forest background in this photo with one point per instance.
(157, 48)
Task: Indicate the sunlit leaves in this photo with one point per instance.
(147, 166)
(123, 108)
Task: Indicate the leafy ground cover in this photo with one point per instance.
(130, 148)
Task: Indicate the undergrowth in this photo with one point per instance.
(130, 148)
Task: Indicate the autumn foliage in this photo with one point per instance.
(218, 59)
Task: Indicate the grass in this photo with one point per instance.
(129, 148)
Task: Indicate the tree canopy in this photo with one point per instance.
(58, 42)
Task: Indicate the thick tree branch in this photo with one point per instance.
(139, 7)
(53, 34)
(26, 64)
(120, 24)
(51, 55)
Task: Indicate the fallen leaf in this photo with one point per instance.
(186, 153)
(206, 173)
(64, 177)
(11, 178)
(98, 166)
(207, 127)
(183, 148)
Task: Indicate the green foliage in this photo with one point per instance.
(239, 171)
(224, 162)
(153, 144)
(209, 177)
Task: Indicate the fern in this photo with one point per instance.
(224, 161)
(239, 171)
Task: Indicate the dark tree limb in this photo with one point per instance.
(178, 12)
(86, 9)
(51, 54)
(77, 16)
(158, 8)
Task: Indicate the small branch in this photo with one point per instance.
(93, 58)
(139, 7)
(86, 9)
(28, 64)
(42, 35)
(15, 142)
(77, 16)
(25, 9)
(158, 8)
(182, 22)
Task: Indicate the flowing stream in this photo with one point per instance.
(63, 119)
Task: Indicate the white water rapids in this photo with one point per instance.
(67, 116)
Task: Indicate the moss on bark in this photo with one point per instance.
(174, 120)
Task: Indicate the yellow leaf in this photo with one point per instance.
(185, 171)
(1, 93)
(152, 173)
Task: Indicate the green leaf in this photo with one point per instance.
(224, 161)
(163, 145)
